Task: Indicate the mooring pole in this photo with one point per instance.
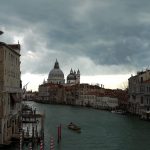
(60, 131)
(51, 143)
(21, 140)
(58, 134)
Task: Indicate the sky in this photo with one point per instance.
(107, 40)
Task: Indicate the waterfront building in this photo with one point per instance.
(121, 95)
(56, 75)
(10, 91)
(87, 99)
(70, 95)
(139, 94)
(51, 93)
(56, 93)
(82, 94)
(108, 102)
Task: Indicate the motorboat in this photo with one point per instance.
(74, 127)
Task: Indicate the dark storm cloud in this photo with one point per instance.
(103, 34)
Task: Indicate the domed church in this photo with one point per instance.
(73, 77)
(56, 75)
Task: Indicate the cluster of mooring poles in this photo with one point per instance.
(29, 131)
(32, 129)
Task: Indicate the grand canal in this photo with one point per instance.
(101, 130)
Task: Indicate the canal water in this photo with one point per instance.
(100, 130)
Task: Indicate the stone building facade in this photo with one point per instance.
(10, 91)
(51, 93)
(139, 94)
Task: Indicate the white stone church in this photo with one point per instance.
(56, 76)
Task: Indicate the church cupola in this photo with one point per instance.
(56, 66)
(71, 71)
(78, 72)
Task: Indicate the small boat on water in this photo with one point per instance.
(74, 127)
(119, 112)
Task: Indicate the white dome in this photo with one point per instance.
(71, 77)
(56, 75)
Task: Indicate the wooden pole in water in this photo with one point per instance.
(41, 145)
(60, 131)
(20, 140)
(30, 146)
(58, 134)
(52, 143)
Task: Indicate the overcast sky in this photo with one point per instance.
(105, 39)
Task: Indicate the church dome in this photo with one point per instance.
(56, 75)
(71, 77)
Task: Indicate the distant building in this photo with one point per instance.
(30, 95)
(53, 89)
(10, 91)
(56, 75)
(139, 94)
(106, 102)
(51, 93)
(121, 95)
(82, 94)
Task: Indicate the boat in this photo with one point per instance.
(119, 112)
(74, 127)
